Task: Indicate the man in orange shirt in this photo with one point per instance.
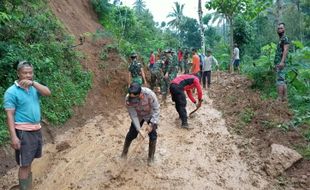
(195, 63)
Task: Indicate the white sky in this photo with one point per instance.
(161, 8)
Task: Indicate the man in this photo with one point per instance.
(142, 106)
(170, 70)
(206, 70)
(236, 59)
(156, 74)
(280, 61)
(22, 106)
(136, 73)
(180, 59)
(185, 61)
(152, 59)
(195, 63)
(177, 87)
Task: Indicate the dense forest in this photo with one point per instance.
(30, 31)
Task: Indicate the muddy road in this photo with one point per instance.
(88, 157)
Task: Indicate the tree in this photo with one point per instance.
(203, 45)
(177, 16)
(190, 33)
(139, 6)
(231, 8)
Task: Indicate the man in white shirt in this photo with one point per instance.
(236, 59)
(207, 67)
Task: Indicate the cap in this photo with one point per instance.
(134, 89)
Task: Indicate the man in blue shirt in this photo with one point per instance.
(22, 106)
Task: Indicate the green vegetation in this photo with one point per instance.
(29, 31)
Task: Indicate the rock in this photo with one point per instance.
(280, 159)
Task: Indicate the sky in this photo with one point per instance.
(161, 8)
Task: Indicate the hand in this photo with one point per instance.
(25, 83)
(15, 143)
(141, 134)
(198, 105)
(166, 76)
(151, 127)
(280, 66)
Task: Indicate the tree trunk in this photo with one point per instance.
(231, 39)
(203, 46)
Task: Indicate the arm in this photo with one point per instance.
(15, 142)
(198, 87)
(190, 95)
(155, 109)
(134, 117)
(215, 62)
(43, 90)
(129, 78)
(143, 76)
(285, 52)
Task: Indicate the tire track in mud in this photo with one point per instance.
(205, 157)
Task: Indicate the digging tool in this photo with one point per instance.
(124, 167)
(191, 113)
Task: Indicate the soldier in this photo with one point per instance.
(185, 61)
(280, 62)
(136, 73)
(142, 106)
(156, 73)
(170, 70)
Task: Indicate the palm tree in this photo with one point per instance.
(139, 6)
(177, 16)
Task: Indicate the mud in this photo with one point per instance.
(205, 157)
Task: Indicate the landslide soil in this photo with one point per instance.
(217, 153)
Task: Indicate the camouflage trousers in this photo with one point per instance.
(155, 79)
(187, 66)
(165, 83)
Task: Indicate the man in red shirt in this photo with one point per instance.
(152, 59)
(180, 84)
(180, 59)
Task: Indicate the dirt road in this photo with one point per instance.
(205, 157)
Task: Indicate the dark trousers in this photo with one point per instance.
(206, 75)
(179, 97)
(133, 133)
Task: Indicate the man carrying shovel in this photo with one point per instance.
(142, 105)
(180, 84)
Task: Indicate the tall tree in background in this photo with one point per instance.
(177, 16)
(231, 8)
(139, 6)
(201, 28)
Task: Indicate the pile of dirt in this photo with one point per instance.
(248, 115)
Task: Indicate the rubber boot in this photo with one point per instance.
(23, 184)
(125, 149)
(152, 147)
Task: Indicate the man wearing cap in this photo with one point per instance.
(180, 84)
(136, 73)
(22, 106)
(142, 106)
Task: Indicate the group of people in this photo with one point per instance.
(22, 99)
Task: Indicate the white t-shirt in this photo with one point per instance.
(209, 61)
(236, 53)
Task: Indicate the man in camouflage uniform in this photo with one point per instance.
(170, 71)
(185, 61)
(280, 61)
(136, 73)
(156, 73)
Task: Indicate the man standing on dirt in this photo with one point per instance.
(22, 106)
(185, 61)
(206, 69)
(156, 74)
(280, 61)
(195, 63)
(180, 59)
(136, 73)
(236, 59)
(180, 84)
(142, 105)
